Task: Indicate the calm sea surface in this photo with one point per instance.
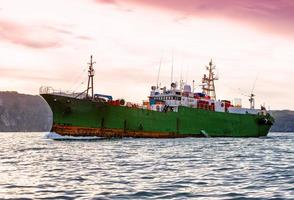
(34, 167)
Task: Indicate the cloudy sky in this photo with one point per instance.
(49, 43)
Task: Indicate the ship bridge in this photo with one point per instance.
(162, 99)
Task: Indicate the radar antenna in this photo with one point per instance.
(252, 100)
(172, 68)
(251, 95)
(91, 72)
(157, 82)
(208, 86)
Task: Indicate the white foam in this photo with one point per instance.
(56, 136)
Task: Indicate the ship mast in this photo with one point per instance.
(208, 86)
(252, 101)
(91, 71)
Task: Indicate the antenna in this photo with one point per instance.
(181, 79)
(160, 62)
(91, 73)
(252, 101)
(187, 73)
(172, 67)
(181, 75)
(253, 87)
(251, 97)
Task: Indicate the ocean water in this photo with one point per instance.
(34, 167)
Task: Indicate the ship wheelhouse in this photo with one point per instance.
(164, 100)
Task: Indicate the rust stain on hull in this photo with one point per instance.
(115, 133)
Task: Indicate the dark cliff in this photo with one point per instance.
(284, 121)
(21, 112)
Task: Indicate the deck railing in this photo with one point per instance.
(51, 90)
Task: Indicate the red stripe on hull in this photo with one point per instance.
(110, 133)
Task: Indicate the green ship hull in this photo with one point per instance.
(84, 117)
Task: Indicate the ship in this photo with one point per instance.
(174, 112)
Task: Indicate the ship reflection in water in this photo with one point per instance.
(32, 166)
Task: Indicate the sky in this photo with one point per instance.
(49, 43)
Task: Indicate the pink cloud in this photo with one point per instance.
(60, 30)
(274, 16)
(29, 36)
(83, 37)
(106, 1)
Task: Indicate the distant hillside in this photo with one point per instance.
(21, 112)
(284, 121)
